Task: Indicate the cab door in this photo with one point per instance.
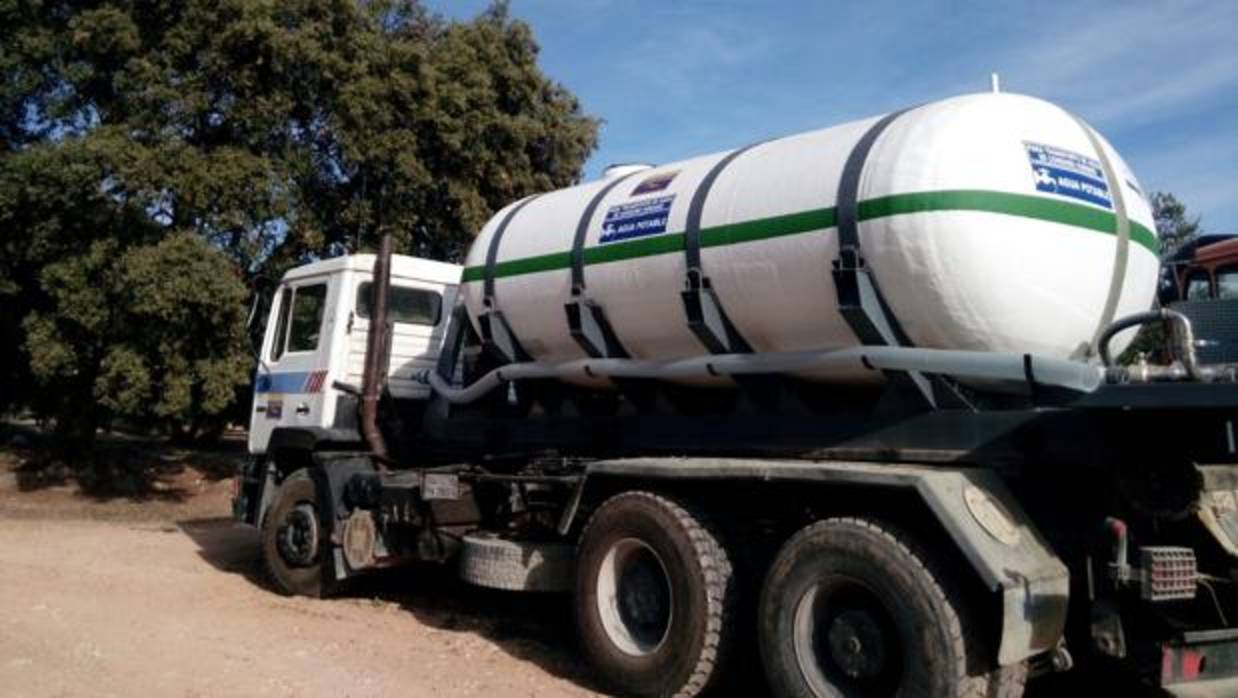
(289, 388)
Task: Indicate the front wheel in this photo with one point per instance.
(293, 540)
(852, 608)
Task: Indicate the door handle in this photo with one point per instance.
(303, 408)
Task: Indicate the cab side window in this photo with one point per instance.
(1198, 286)
(300, 319)
(1227, 282)
(281, 325)
(412, 306)
(306, 320)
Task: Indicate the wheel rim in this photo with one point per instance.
(297, 536)
(634, 597)
(846, 641)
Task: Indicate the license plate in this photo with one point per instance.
(440, 486)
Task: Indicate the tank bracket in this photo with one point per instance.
(708, 321)
(861, 306)
(860, 303)
(498, 339)
(586, 320)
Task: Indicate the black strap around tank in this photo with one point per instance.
(868, 313)
(582, 229)
(847, 219)
(846, 206)
(492, 253)
(692, 229)
(707, 318)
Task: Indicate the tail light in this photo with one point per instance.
(1167, 573)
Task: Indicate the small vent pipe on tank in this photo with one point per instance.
(624, 169)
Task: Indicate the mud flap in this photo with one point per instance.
(1007, 552)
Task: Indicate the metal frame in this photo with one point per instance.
(1109, 425)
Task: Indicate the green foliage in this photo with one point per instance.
(153, 334)
(54, 206)
(300, 128)
(1173, 226)
(159, 158)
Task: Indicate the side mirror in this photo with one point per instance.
(255, 342)
(253, 310)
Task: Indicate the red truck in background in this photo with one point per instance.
(1200, 280)
(1206, 268)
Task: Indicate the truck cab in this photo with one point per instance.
(1204, 269)
(313, 349)
(1200, 280)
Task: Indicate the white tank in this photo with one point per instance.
(988, 222)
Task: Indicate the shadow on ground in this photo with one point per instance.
(120, 466)
(536, 628)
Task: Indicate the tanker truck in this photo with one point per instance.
(846, 400)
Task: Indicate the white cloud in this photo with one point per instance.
(1135, 61)
(1155, 97)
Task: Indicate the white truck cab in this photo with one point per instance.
(316, 335)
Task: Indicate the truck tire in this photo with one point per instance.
(654, 597)
(852, 608)
(293, 540)
(491, 561)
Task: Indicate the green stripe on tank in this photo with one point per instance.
(1021, 205)
(765, 228)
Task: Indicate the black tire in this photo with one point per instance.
(852, 609)
(293, 560)
(654, 597)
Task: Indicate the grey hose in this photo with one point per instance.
(974, 365)
(1182, 345)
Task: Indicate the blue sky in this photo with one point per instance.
(675, 79)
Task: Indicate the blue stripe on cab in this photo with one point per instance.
(292, 382)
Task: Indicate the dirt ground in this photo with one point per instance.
(158, 593)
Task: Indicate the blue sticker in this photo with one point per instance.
(287, 382)
(1067, 173)
(636, 219)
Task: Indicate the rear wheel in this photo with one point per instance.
(851, 608)
(293, 540)
(654, 592)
